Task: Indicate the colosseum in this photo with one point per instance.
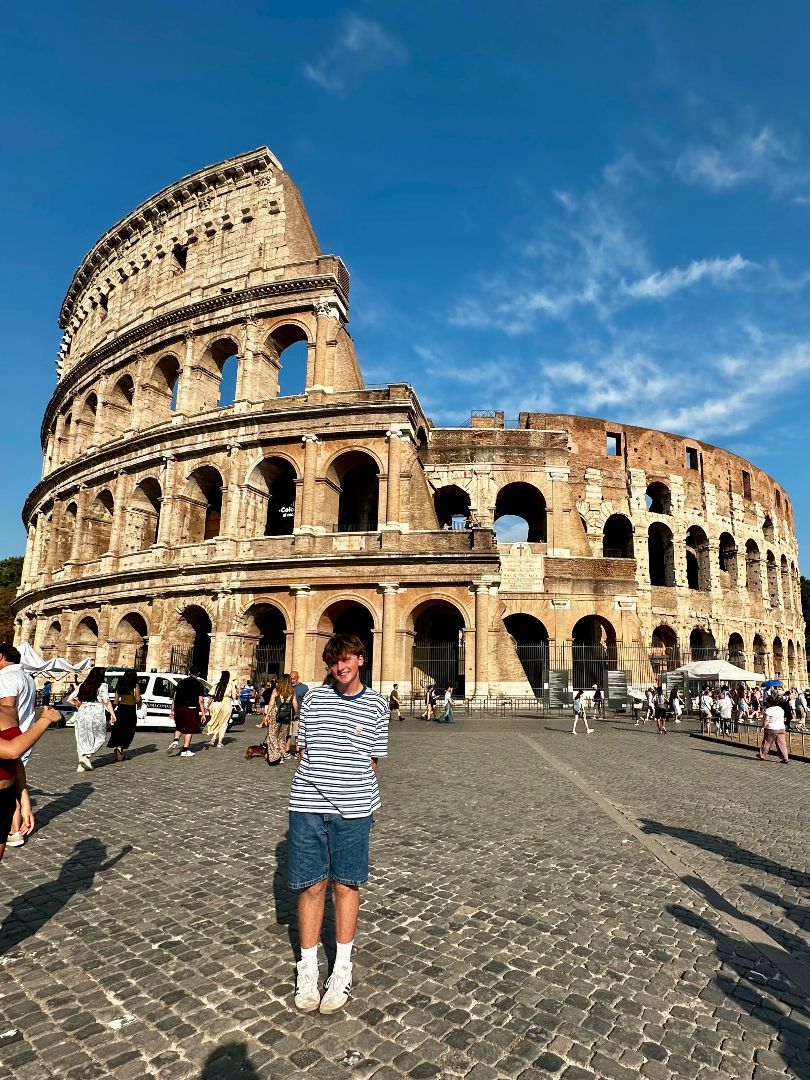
(197, 507)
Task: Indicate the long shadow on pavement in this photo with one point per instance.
(229, 1062)
(64, 801)
(286, 902)
(34, 908)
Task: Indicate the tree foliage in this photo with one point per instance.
(11, 572)
(10, 575)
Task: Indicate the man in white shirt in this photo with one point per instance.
(18, 692)
(774, 731)
(725, 712)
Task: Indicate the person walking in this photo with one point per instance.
(14, 796)
(447, 707)
(578, 706)
(598, 702)
(660, 709)
(283, 710)
(774, 731)
(675, 707)
(93, 708)
(342, 733)
(18, 695)
(725, 712)
(301, 690)
(649, 695)
(219, 712)
(126, 702)
(189, 714)
(705, 704)
(394, 703)
(430, 702)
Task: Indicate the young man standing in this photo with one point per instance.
(342, 731)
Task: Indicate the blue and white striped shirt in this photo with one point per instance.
(339, 735)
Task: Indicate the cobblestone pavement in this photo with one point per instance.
(527, 916)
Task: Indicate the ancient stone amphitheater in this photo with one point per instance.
(197, 507)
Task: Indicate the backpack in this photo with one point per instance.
(283, 711)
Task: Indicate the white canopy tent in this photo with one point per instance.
(717, 671)
(33, 663)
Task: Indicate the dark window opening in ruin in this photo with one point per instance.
(613, 444)
(98, 525)
(192, 648)
(526, 502)
(787, 594)
(692, 458)
(767, 528)
(617, 538)
(359, 499)
(664, 652)
(760, 655)
(530, 639)
(773, 586)
(727, 557)
(179, 257)
(437, 657)
(661, 555)
(593, 652)
(143, 518)
(702, 645)
(752, 568)
(736, 650)
(452, 505)
(348, 617)
(697, 559)
(746, 484)
(778, 658)
(658, 498)
(103, 305)
(204, 505)
(268, 658)
(778, 497)
(280, 518)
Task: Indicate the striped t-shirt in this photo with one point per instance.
(339, 735)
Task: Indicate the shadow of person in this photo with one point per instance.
(286, 905)
(30, 911)
(229, 1062)
(64, 801)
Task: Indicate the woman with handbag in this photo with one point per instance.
(282, 710)
(127, 700)
(93, 705)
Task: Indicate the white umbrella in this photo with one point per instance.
(718, 671)
(34, 664)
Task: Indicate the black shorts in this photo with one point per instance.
(8, 803)
(660, 714)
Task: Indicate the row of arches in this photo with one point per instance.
(784, 659)
(658, 500)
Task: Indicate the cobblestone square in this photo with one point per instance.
(541, 905)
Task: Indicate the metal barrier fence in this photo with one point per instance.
(749, 733)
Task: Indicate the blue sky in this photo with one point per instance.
(597, 207)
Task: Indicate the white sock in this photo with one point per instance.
(343, 955)
(310, 956)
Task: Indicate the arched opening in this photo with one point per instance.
(120, 405)
(530, 639)
(658, 498)
(291, 356)
(192, 646)
(67, 531)
(216, 387)
(664, 652)
(753, 582)
(355, 481)
(229, 373)
(86, 641)
(271, 627)
(63, 453)
(593, 652)
(52, 642)
(697, 559)
(452, 506)
(661, 555)
(727, 560)
(98, 527)
(270, 499)
(767, 528)
(203, 505)
(86, 422)
(524, 501)
(617, 538)
(760, 655)
(736, 650)
(791, 652)
(143, 517)
(438, 648)
(132, 641)
(702, 645)
(787, 592)
(349, 617)
(773, 582)
(778, 658)
(164, 384)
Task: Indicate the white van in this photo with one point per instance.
(157, 691)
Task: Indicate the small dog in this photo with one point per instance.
(256, 751)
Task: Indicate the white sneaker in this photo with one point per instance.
(15, 839)
(338, 988)
(187, 753)
(307, 996)
(172, 745)
(85, 762)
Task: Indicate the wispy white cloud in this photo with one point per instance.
(734, 160)
(659, 285)
(362, 46)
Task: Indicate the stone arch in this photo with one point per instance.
(727, 560)
(519, 499)
(760, 654)
(697, 559)
(452, 506)
(287, 348)
(120, 403)
(350, 615)
(702, 645)
(352, 492)
(84, 643)
(207, 374)
(736, 650)
(268, 507)
(202, 506)
(773, 581)
(67, 531)
(129, 644)
(778, 658)
(617, 538)
(98, 525)
(787, 591)
(661, 555)
(767, 528)
(52, 641)
(437, 625)
(658, 498)
(664, 651)
(531, 643)
(191, 648)
(266, 625)
(143, 516)
(161, 390)
(593, 652)
(753, 581)
(86, 418)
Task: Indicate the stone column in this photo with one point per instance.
(301, 594)
(29, 559)
(388, 667)
(307, 522)
(481, 593)
(100, 427)
(52, 554)
(394, 438)
(78, 532)
(327, 321)
(557, 530)
(247, 388)
(231, 494)
(119, 513)
(170, 480)
(185, 378)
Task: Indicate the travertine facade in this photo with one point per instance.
(240, 534)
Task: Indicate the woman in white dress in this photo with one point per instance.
(93, 706)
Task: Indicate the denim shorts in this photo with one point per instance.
(327, 846)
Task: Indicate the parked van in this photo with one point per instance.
(157, 691)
